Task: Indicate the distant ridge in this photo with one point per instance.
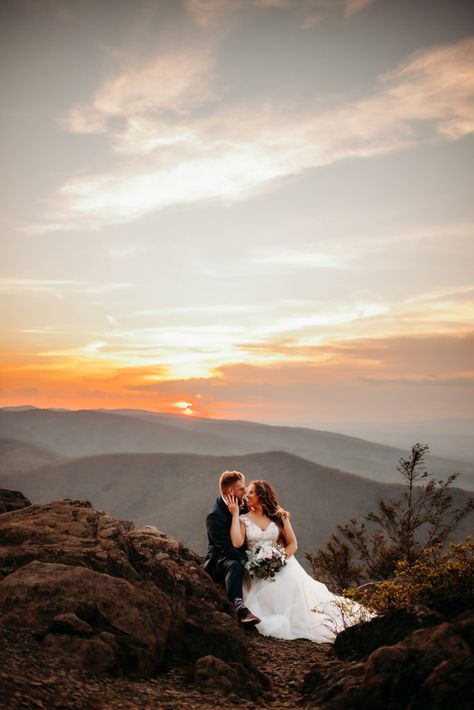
(90, 432)
(20, 457)
(19, 408)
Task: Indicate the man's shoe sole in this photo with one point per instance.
(250, 622)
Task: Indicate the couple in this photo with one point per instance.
(293, 605)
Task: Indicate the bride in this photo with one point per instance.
(293, 605)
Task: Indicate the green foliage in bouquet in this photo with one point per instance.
(264, 560)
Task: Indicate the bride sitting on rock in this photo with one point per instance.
(292, 604)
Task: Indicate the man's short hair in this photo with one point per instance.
(228, 478)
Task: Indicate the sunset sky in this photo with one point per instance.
(254, 209)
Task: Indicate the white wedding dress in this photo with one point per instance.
(294, 605)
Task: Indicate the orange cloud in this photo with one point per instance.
(373, 378)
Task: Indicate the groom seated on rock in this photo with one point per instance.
(224, 562)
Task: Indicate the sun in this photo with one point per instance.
(185, 407)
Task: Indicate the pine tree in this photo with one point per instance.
(401, 529)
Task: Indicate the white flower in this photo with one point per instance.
(264, 561)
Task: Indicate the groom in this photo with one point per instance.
(224, 562)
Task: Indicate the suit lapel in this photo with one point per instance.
(223, 508)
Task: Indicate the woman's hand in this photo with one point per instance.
(237, 528)
(232, 503)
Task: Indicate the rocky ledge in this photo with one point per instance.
(105, 598)
(94, 613)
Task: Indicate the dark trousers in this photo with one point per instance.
(233, 574)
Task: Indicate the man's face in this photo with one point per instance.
(238, 489)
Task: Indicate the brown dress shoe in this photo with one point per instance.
(246, 618)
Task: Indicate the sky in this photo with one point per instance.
(252, 209)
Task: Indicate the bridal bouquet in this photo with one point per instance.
(264, 560)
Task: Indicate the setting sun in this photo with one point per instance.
(185, 407)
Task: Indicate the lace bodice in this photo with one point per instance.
(255, 534)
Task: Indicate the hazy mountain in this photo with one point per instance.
(349, 453)
(175, 491)
(451, 438)
(86, 432)
(20, 408)
(19, 456)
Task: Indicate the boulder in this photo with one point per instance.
(399, 675)
(431, 668)
(12, 500)
(333, 685)
(107, 598)
(68, 531)
(360, 640)
(138, 615)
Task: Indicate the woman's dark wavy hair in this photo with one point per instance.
(269, 502)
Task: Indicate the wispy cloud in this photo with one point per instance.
(173, 153)
(59, 9)
(193, 342)
(337, 375)
(353, 6)
(56, 287)
(214, 310)
(309, 258)
(208, 13)
(176, 83)
(47, 330)
(125, 250)
(430, 381)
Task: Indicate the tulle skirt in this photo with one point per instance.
(294, 605)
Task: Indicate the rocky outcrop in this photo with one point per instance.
(360, 640)
(12, 500)
(84, 596)
(110, 599)
(430, 669)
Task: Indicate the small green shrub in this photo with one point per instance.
(436, 577)
(404, 528)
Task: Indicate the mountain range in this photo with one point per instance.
(162, 470)
(89, 432)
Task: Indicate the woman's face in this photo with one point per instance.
(252, 497)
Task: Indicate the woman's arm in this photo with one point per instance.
(237, 528)
(290, 538)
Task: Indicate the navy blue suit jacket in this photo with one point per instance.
(220, 547)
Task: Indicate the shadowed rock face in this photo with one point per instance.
(430, 668)
(360, 640)
(108, 598)
(12, 500)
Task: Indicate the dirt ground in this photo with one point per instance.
(30, 678)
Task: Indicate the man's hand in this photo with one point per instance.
(232, 503)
